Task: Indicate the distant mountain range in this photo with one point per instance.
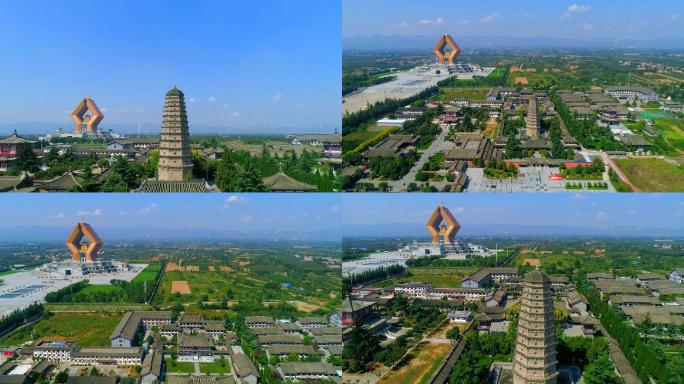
(426, 42)
(527, 231)
(36, 233)
(41, 128)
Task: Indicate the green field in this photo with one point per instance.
(101, 288)
(653, 175)
(438, 277)
(472, 93)
(656, 115)
(149, 273)
(89, 330)
(96, 307)
(353, 139)
(217, 367)
(179, 367)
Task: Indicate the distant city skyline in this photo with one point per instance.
(248, 212)
(601, 211)
(239, 64)
(629, 19)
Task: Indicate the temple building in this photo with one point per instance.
(174, 171)
(535, 346)
(175, 163)
(533, 124)
(10, 148)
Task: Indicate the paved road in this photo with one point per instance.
(609, 162)
(440, 144)
(197, 369)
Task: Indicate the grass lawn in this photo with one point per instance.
(179, 367)
(353, 139)
(438, 277)
(653, 175)
(89, 330)
(419, 369)
(149, 273)
(473, 93)
(215, 367)
(100, 288)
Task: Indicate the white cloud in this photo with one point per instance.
(602, 215)
(211, 99)
(489, 18)
(437, 21)
(674, 17)
(232, 200)
(235, 115)
(334, 208)
(192, 100)
(148, 209)
(460, 210)
(278, 97)
(58, 216)
(463, 22)
(575, 9)
(403, 24)
(95, 212)
(577, 197)
(226, 105)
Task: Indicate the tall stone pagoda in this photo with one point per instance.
(535, 347)
(533, 124)
(175, 162)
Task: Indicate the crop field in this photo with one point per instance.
(592, 258)
(254, 276)
(149, 273)
(89, 330)
(418, 370)
(653, 175)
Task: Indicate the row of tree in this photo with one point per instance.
(19, 317)
(647, 357)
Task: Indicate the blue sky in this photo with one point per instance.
(239, 63)
(236, 212)
(558, 209)
(524, 18)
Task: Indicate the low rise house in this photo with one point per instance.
(677, 275)
(279, 340)
(312, 322)
(259, 322)
(283, 351)
(191, 322)
(576, 301)
(197, 345)
(245, 370)
(108, 356)
(308, 371)
(460, 317)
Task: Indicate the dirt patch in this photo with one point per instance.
(180, 286)
(243, 262)
(212, 268)
(532, 262)
(521, 80)
(305, 307)
(413, 371)
(191, 268)
(225, 268)
(170, 267)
